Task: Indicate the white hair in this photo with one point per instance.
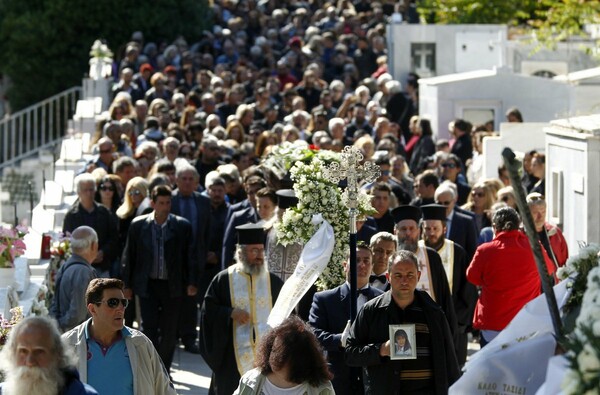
(84, 178)
(446, 187)
(393, 86)
(82, 239)
(333, 122)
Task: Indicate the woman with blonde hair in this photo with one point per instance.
(264, 140)
(366, 144)
(235, 131)
(135, 203)
(479, 203)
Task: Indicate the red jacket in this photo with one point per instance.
(505, 270)
(557, 243)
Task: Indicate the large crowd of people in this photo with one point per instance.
(167, 204)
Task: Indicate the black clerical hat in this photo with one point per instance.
(286, 198)
(251, 234)
(434, 211)
(406, 212)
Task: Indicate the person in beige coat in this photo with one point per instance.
(112, 357)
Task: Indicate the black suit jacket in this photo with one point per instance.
(138, 255)
(463, 233)
(106, 227)
(203, 225)
(464, 294)
(238, 218)
(329, 313)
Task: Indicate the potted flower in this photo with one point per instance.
(12, 246)
(60, 252)
(100, 61)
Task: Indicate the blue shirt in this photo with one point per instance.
(109, 368)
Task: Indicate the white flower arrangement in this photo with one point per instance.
(316, 195)
(583, 343)
(38, 307)
(100, 61)
(100, 50)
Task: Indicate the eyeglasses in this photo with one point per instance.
(449, 165)
(113, 303)
(106, 188)
(478, 194)
(446, 203)
(134, 192)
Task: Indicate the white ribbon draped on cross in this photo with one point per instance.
(313, 260)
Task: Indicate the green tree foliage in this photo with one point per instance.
(558, 20)
(476, 11)
(44, 44)
(550, 21)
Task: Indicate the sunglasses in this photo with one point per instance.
(134, 192)
(106, 188)
(478, 194)
(449, 165)
(505, 198)
(113, 303)
(446, 203)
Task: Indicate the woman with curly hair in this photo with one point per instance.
(290, 359)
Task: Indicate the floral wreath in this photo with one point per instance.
(316, 195)
(583, 333)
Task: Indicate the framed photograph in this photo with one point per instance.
(403, 342)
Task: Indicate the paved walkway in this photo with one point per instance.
(191, 375)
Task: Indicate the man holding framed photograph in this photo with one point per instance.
(371, 341)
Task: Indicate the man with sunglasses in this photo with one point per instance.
(460, 224)
(113, 358)
(450, 169)
(86, 211)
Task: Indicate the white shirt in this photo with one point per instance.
(269, 388)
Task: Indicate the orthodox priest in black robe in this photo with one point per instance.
(433, 278)
(235, 311)
(454, 260)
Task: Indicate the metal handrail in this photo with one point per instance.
(36, 127)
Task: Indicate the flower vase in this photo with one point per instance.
(7, 277)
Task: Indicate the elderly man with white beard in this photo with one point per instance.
(235, 310)
(35, 361)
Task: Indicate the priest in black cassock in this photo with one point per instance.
(433, 278)
(235, 310)
(454, 260)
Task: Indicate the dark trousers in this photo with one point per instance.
(188, 320)
(160, 313)
(462, 343)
